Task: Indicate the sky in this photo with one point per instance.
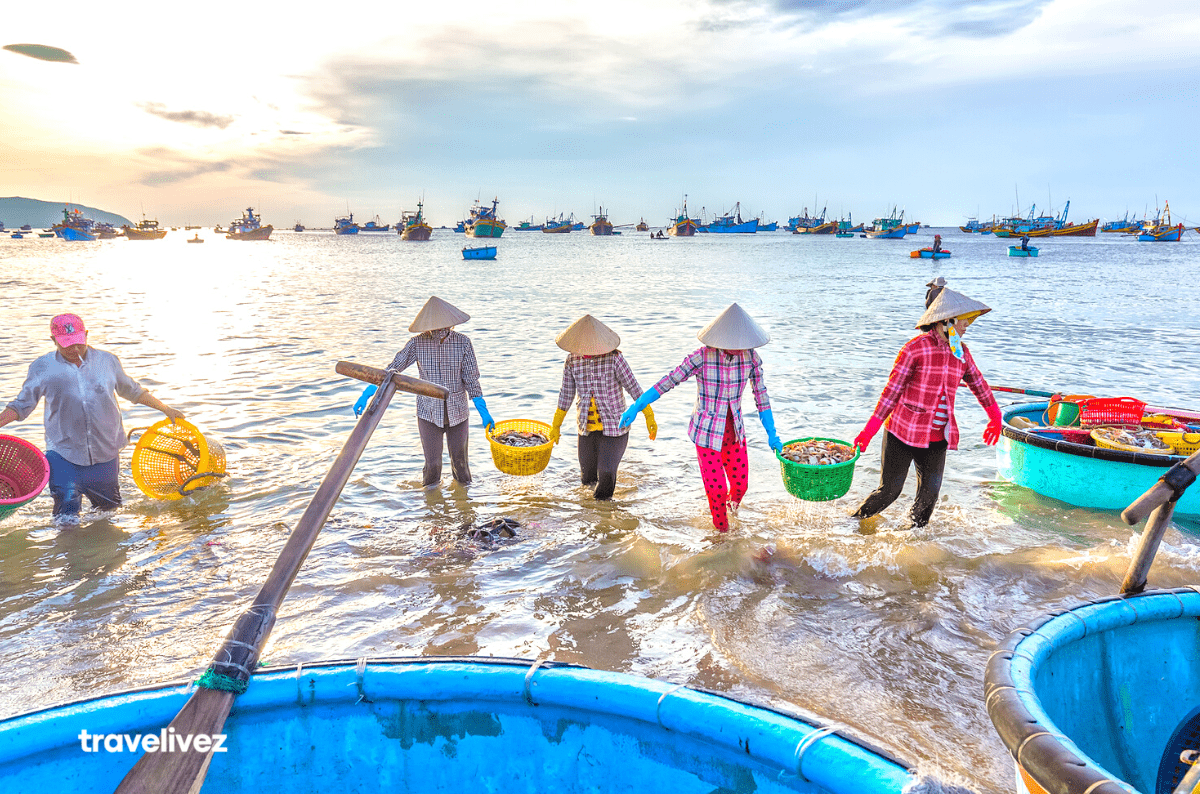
(946, 109)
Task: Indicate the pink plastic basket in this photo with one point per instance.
(24, 472)
(1111, 411)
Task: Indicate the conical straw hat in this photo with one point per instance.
(733, 330)
(949, 304)
(587, 336)
(435, 314)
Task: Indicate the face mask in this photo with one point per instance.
(955, 342)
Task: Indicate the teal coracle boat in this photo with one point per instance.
(480, 252)
(1078, 474)
(458, 725)
(1016, 250)
(1101, 698)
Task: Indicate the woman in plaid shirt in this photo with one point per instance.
(723, 368)
(918, 404)
(597, 372)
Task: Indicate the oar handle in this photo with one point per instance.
(403, 382)
(1170, 486)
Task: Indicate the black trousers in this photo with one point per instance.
(599, 457)
(897, 456)
(431, 444)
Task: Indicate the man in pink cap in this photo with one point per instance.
(84, 434)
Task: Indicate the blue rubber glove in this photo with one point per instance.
(768, 420)
(364, 398)
(638, 406)
(481, 406)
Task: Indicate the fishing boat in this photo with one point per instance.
(1061, 462)
(45, 234)
(763, 226)
(805, 221)
(299, 227)
(374, 225)
(248, 227)
(1126, 225)
(1160, 229)
(559, 225)
(345, 225)
(731, 223)
(642, 225)
(460, 227)
(413, 225)
(455, 724)
(144, 230)
(601, 227)
(682, 225)
(892, 227)
(975, 226)
(1016, 250)
(828, 227)
(479, 252)
(485, 221)
(75, 226)
(101, 229)
(17, 236)
(527, 226)
(844, 234)
(195, 239)
(929, 253)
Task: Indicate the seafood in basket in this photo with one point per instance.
(1141, 440)
(521, 438)
(817, 452)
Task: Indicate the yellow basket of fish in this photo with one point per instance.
(1182, 443)
(520, 446)
(1126, 439)
(817, 469)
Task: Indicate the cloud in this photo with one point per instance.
(42, 52)
(196, 118)
(966, 18)
(181, 170)
(293, 132)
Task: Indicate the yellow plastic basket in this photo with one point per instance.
(521, 461)
(1106, 443)
(172, 459)
(1182, 443)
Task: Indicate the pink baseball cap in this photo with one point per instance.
(68, 329)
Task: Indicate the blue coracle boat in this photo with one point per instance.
(1016, 250)
(458, 725)
(480, 252)
(1078, 474)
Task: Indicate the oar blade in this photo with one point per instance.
(181, 772)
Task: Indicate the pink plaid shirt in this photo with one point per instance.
(925, 369)
(721, 377)
(600, 378)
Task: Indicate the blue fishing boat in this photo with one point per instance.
(345, 225)
(523, 226)
(299, 227)
(374, 225)
(731, 223)
(17, 236)
(458, 724)
(892, 227)
(75, 226)
(1016, 250)
(763, 226)
(1126, 225)
(805, 222)
(460, 227)
(1160, 229)
(480, 252)
(1041, 458)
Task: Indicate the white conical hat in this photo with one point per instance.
(733, 330)
(435, 314)
(587, 336)
(949, 304)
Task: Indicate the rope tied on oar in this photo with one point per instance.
(225, 683)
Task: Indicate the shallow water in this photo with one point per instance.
(883, 629)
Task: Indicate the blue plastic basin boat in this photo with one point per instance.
(480, 252)
(1101, 698)
(458, 725)
(1016, 250)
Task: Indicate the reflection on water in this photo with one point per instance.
(884, 629)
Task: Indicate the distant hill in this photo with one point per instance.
(15, 212)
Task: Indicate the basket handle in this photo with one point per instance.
(188, 481)
(132, 430)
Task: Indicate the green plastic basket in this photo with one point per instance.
(817, 483)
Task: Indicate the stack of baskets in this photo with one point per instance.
(173, 458)
(817, 483)
(521, 461)
(24, 472)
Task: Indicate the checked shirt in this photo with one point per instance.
(925, 370)
(600, 378)
(444, 357)
(721, 377)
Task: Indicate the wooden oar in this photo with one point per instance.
(1159, 504)
(205, 712)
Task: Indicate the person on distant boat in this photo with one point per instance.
(918, 404)
(596, 371)
(1025, 242)
(84, 434)
(445, 357)
(723, 368)
(937, 243)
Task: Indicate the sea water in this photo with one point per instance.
(881, 628)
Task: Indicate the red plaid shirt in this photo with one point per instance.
(925, 369)
(721, 377)
(600, 378)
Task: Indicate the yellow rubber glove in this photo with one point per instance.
(651, 425)
(556, 425)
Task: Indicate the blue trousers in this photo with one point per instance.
(70, 483)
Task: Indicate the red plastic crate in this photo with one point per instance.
(1111, 411)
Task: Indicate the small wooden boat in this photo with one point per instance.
(844, 234)
(459, 724)
(480, 252)
(299, 227)
(195, 239)
(17, 236)
(929, 253)
(1016, 250)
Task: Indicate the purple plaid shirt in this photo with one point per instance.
(600, 378)
(721, 377)
(444, 357)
